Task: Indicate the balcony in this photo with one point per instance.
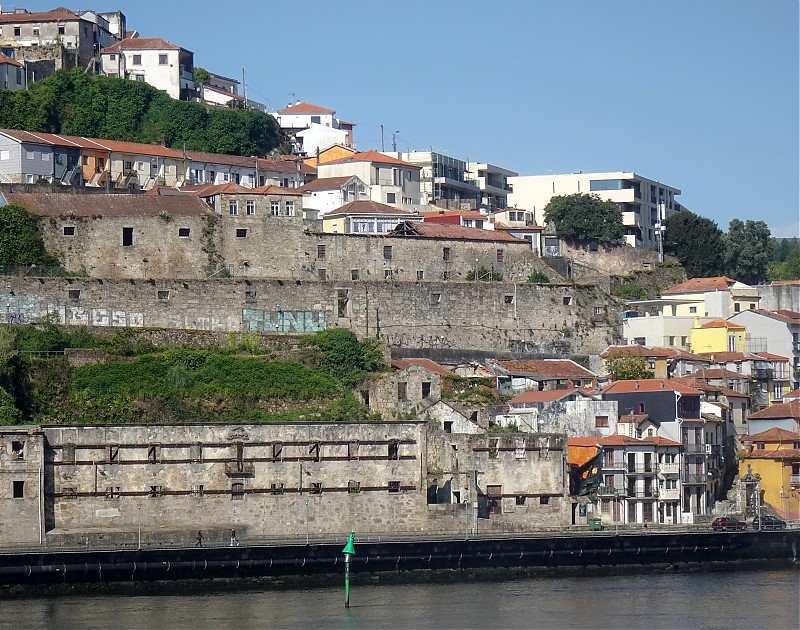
(763, 374)
(610, 491)
(640, 469)
(613, 464)
(694, 449)
(794, 480)
(669, 469)
(642, 494)
(671, 494)
(695, 479)
(237, 468)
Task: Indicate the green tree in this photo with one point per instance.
(631, 291)
(201, 75)
(345, 358)
(538, 277)
(9, 414)
(623, 367)
(748, 250)
(582, 216)
(786, 263)
(20, 240)
(697, 244)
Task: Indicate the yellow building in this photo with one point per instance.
(331, 154)
(719, 335)
(774, 454)
(365, 217)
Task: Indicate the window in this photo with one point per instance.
(322, 274)
(388, 274)
(251, 207)
(342, 301)
(17, 31)
(760, 446)
(155, 492)
(598, 310)
(62, 31)
(74, 295)
(275, 208)
(445, 275)
(112, 453)
(68, 453)
(394, 486)
(354, 274)
(692, 309)
(233, 207)
(543, 500)
(250, 297)
(436, 298)
(387, 252)
(316, 487)
(394, 449)
(30, 155)
(198, 490)
(127, 237)
(276, 488)
(241, 233)
(391, 198)
(112, 57)
(17, 449)
(112, 492)
(352, 450)
(737, 307)
(401, 390)
(752, 307)
(320, 252)
(508, 300)
(314, 452)
(184, 232)
(420, 275)
(353, 487)
(520, 499)
(237, 491)
(567, 300)
(154, 453)
(601, 421)
(162, 295)
(162, 60)
(196, 451)
(446, 254)
(501, 255)
(426, 389)
(277, 451)
(290, 208)
(18, 490)
(137, 60)
(493, 448)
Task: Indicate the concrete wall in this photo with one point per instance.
(780, 296)
(21, 478)
(452, 315)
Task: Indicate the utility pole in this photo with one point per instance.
(382, 147)
(394, 141)
(244, 89)
(660, 229)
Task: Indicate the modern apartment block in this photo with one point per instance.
(444, 181)
(493, 184)
(638, 197)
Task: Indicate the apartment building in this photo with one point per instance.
(12, 73)
(493, 183)
(445, 181)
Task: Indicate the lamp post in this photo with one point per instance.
(349, 550)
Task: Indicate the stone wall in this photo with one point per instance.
(501, 317)
(403, 393)
(780, 296)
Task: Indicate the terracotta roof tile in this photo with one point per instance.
(326, 183)
(794, 394)
(768, 356)
(774, 434)
(649, 385)
(467, 214)
(633, 418)
(724, 357)
(555, 368)
(9, 60)
(375, 157)
(701, 285)
(56, 15)
(720, 373)
(428, 364)
(789, 409)
(85, 205)
(368, 207)
(457, 232)
(141, 43)
(722, 323)
(549, 395)
(305, 108)
(277, 190)
(790, 317)
(620, 440)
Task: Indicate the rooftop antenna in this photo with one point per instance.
(394, 141)
(244, 89)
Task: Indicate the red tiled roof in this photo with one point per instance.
(723, 357)
(556, 368)
(794, 394)
(467, 214)
(141, 43)
(789, 409)
(634, 351)
(277, 190)
(138, 148)
(633, 418)
(783, 315)
(369, 207)
(9, 60)
(774, 434)
(649, 385)
(63, 204)
(56, 15)
(719, 373)
(305, 108)
(326, 183)
(768, 356)
(620, 440)
(428, 364)
(549, 395)
(458, 232)
(722, 323)
(701, 285)
(530, 228)
(375, 157)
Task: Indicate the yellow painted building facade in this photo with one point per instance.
(774, 454)
(719, 335)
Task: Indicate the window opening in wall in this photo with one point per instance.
(154, 453)
(17, 449)
(251, 207)
(163, 296)
(420, 276)
(69, 230)
(387, 252)
(520, 500)
(495, 494)
(184, 232)
(448, 426)
(250, 297)
(137, 60)
(237, 491)
(316, 487)
(352, 450)
(276, 488)
(353, 487)
(501, 255)
(68, 453)
(322, 274)
(18, 490)
(241, 233)
(365, 396)
(354, 274)
(198, 490)
(155, 492)
(567, 300)
(394, 486)
(342, 302)
(275, 208)
(112, 492)
(113, 454)
(543, 500)
(402, 390)
(446, 254)
(508, 300)
(426, 389)
(196, 452)
(290, 208)
(493, 448)
(320, 252)
(519, 449)
(600, 421)
(277, 451)
(446, 275)
(127, 237)
(436, 298)
(394, 449)
(388, 274)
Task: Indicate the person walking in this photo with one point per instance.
(233, 538)
(199, 542)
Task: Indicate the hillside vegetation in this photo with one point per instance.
(141, 383)
(71, 102)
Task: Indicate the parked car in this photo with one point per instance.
(727, 524)
(768, 522)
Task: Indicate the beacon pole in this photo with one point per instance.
(348, 551)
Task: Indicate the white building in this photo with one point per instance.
(250, 172)
(444, 181)
(328, 194)
(299, 117)
(493, 183)
(153, 60)
(12, 74)
(637, 197)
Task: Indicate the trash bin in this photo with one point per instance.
(595, 524)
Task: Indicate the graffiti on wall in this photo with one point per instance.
(78, 315)
(283, 321)
(21, 309)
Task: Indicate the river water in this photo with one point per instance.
(721, 599)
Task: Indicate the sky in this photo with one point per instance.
(699, 94)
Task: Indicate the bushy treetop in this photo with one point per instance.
(583, 216)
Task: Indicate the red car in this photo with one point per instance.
(728, 524)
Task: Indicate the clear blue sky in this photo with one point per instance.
(699, 94)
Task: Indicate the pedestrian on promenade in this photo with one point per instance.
(233, 538)
(645, 530)
(199, 538)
